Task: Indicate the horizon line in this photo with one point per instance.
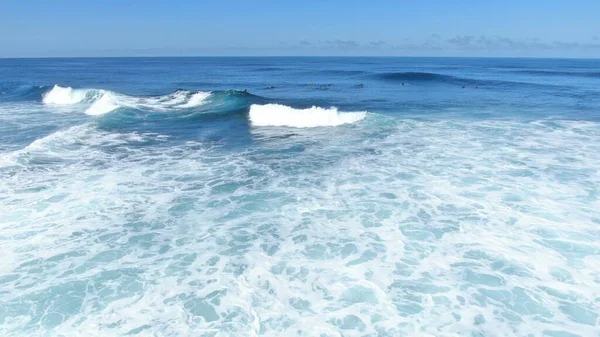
(300, 56)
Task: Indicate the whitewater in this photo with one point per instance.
(101, 101)
(314, 208)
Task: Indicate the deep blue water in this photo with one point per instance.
(299, 197)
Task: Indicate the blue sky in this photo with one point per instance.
(552, 28)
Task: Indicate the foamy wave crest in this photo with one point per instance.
(195, 100)
(66, 95)
(104, 101)
(282, 115)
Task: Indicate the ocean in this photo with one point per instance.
(299, 197)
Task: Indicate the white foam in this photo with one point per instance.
(450, 228)
(104, 101)
(65, 95)
(195, 100)
(282, 115)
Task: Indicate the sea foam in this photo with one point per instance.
(282, 115)
(102, 101)
(450, 228)
(66, 95)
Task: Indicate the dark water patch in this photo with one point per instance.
(590, 74)
(345, 72)
(417, 76)
(408, 78)
(24, 92)
(271, 69)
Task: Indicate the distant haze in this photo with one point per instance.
(533, 28)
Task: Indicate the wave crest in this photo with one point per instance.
(104, 101)
(282, 115)
(66, 95)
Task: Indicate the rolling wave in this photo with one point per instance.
(426, 77)
(418, 76)
(592, 74)
(103, 101)
(260, 111)
(23, 92)
(344, 72)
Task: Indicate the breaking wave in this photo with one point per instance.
(103, 101)
(282, 115)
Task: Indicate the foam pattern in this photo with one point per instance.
(386, 227)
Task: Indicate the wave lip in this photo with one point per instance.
(104, 101)
(195, 100)
(66, 95)
(282, 115)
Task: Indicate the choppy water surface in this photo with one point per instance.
(299, 197)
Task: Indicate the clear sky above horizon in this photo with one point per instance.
(551, 28)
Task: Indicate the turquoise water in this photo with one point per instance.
(299, 197)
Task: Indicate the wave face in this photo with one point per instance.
(103, 101)
(406, 78)
(419, 77)
(281, 115)
(590, 74)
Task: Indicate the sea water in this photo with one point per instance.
(299, 197)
